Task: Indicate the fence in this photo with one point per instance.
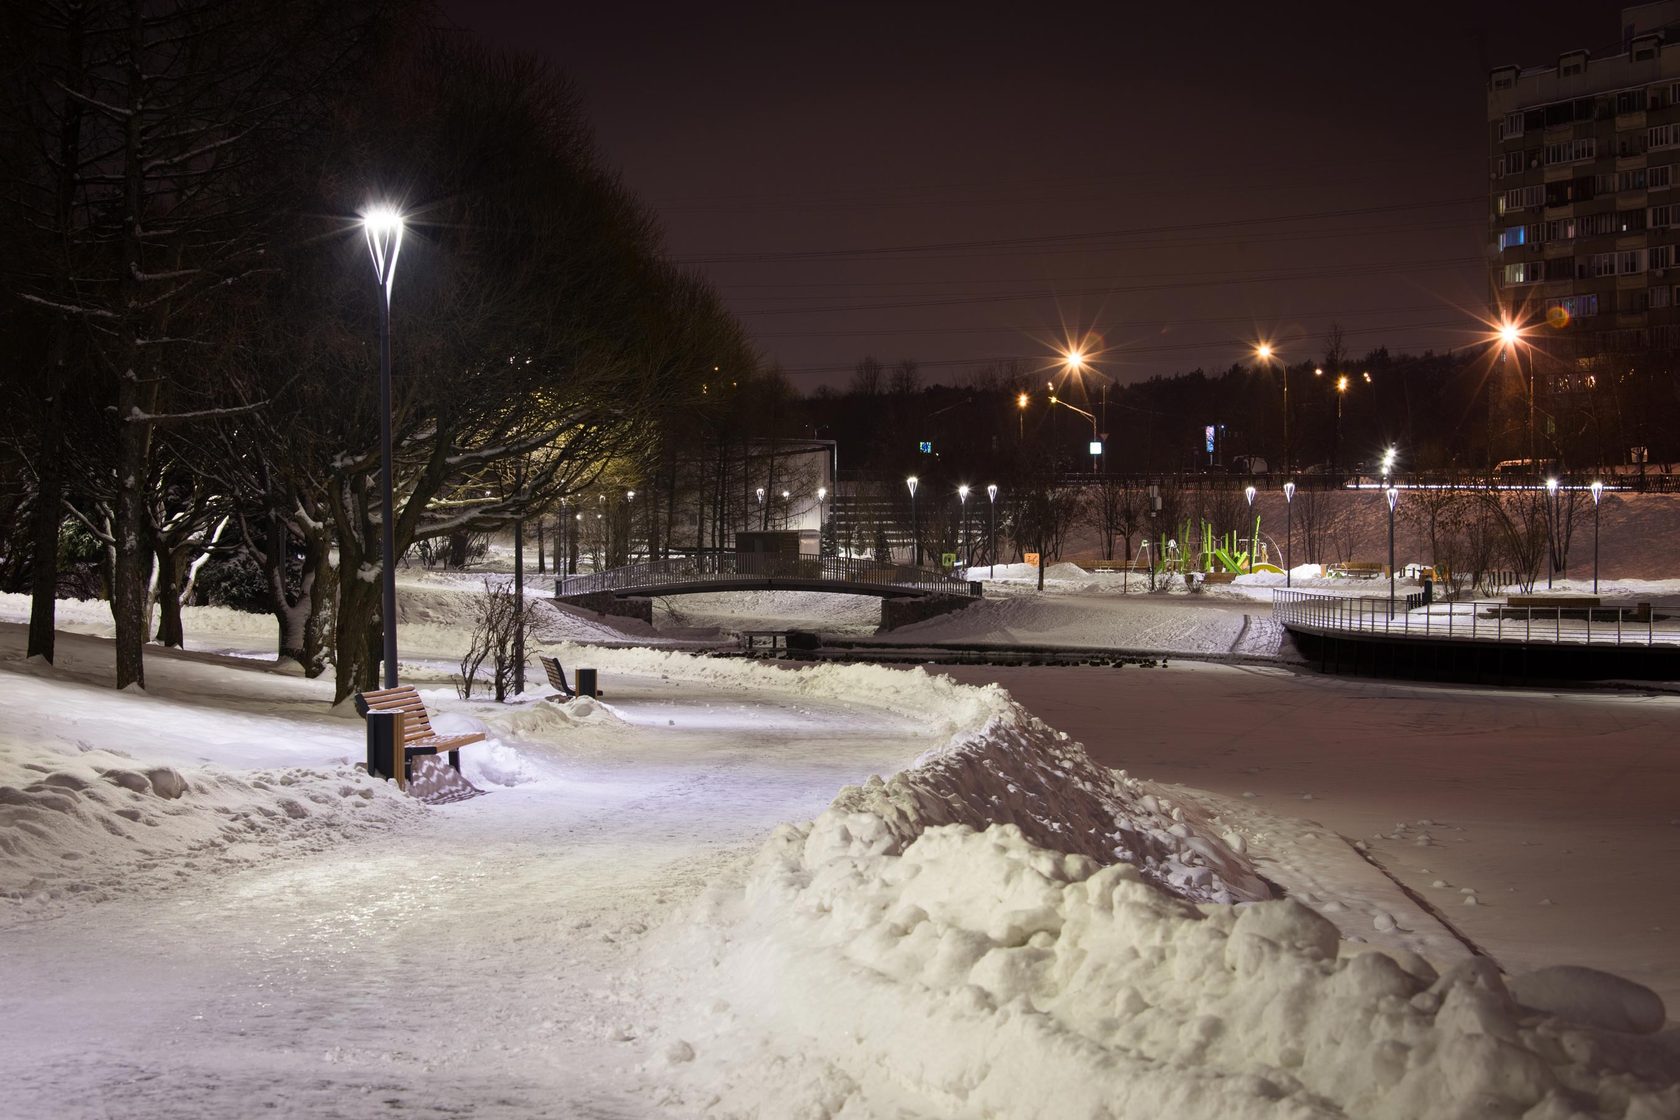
(755, 569)
(1475, 620)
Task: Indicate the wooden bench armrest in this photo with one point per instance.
(439, 744)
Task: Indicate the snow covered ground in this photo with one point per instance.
(692, 898)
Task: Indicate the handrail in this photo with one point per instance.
(1472, 620)
(728, 567)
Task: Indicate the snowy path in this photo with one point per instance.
(333, 984)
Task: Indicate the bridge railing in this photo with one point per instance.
(727, 568)
(1480, 620)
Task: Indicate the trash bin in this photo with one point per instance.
(586, 683)
(381, 741)
(1428, 590)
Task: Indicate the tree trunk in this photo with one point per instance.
(130, 571)
(48, 515)
(170, 631)
(357, 640)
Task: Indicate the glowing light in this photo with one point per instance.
(1020, 400)
(912, 482)
(962, 492)
(1551, 486)
(1597, 492)
(1510, 333)
(1075, 360)
(1289, 491)
(1264, 351)
(822, 492)
(1388, 460)
(1342, 384)
(383, 226)
(1393, 496)
(1249, 493)
(991, 491)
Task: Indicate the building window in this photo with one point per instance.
(1514, 163)
(1521, 198)
(1630, 221)
(1659, 178)
(1572, 64)
(1660, 256)
(1558, 229)
(1513, 124)
(1661, 136)
(1658, 98)
(1631, 180)
(1631, 302)
(1630, 101)
(1595, 225)
(1630, 261)
(1512, 237)
(1576, 307)
(1660, 217)
(1528, 272)
(1659, 296)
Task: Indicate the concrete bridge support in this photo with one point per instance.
(902, 612)
(605, 602)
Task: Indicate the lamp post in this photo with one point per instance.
(1076, 364)
(1289, 534)
(1254, 544)
(383, 227)
(1021, 400)
(1510, 339)
(1393, 496)
(991, 530)
(962, 506)
(1266, 353)
(915, 528)
(822, 524)
(1551, 530)
(1597, 493)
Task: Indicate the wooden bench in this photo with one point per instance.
(1135, 564)
(556, 678)
(1355, 569)
(414, 734)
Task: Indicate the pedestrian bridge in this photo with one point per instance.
(908, 593)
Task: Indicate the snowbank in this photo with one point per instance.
(97, 824)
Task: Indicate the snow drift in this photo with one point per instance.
(1007, 929)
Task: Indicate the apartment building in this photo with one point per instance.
(1584, 216)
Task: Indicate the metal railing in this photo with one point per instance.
(1473, 620)
(726, 568)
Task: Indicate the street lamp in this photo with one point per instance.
(1253, 545)
(1021, 401)
(1096, 447)
(822, 492)
(962, 505)
(1289, 534)
(991, 529)
(1597, 493)
(1265, 352)
(383, 227)
(1510, 335)
(1076, 363)
(915, 526)
(1393, 497)
(1551, 530)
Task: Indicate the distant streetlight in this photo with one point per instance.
(822, 492)
(1510, 337)
(991, 530)
(1388, 457)
(1096, 447)
(1253, 545)
(962, 505)
(915, 526)
(1597, 493)
(1021, 401)
(1077, 364)
(383, 227)
(1551, 530)
(1393, 496)
(1289, 534)
(1265, 352)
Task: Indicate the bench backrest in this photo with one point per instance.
(405, 699)
(556, 674)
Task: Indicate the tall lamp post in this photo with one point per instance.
(822, 492)
(1510, 338)
(1551, 530)
(1289, 534)
(1393, 496)
(991, 531)
(915, 527)
(1597, 493)
(383, 227)
(1254, 544)
(962, 506)
(1266, 353)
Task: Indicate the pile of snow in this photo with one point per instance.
(96, 824)
(1017, 771)
(1007, 929)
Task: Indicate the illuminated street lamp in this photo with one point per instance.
(1510, 336)
(383, 227)
(991, 530)
(1388, 457)
(1021, 401)
(1265, 352)
(1253, 545)
(1289, 534)
(822, 492)
(1597, 493)
(915, 527)
(1551, 530)
(1393, 496)
(962, 505)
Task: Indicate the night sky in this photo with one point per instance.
(958, 183)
